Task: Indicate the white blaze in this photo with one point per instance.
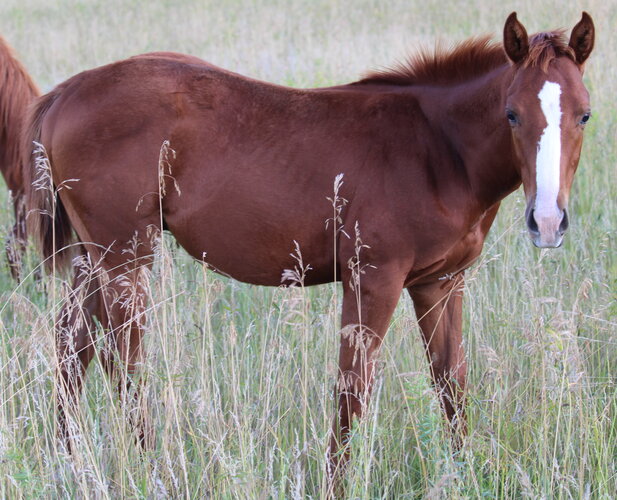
(548, 159)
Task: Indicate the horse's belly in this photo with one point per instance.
(258, 252)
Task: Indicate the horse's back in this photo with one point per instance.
(238, 162)
(254, 163)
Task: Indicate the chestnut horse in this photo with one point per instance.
(428, 150)
(17, 91)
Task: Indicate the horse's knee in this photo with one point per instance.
(350, 405)
(446, 370)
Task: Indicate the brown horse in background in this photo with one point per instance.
(17, 91)
(427, 151)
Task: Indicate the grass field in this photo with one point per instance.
(239, 379)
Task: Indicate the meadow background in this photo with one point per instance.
(239, 379)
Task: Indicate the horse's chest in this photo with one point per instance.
(464, 252)
(454, 256)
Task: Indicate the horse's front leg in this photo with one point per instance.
(368, 305)
(439, 308)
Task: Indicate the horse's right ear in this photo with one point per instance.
(515, 39)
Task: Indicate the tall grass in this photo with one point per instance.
(238, 379)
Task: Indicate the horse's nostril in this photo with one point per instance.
(531, 222)
(565, 223)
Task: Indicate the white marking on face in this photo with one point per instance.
(548, 159)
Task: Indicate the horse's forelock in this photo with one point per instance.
(545, 47)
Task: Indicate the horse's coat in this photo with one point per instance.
(427, 152)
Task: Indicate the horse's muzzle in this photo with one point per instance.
(547, 231)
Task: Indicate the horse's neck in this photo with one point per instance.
(473, 119)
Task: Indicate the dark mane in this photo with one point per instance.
(468, 59)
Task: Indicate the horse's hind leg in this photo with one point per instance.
(15, 244)
(75, 345)
(14, 248)
(124, 302)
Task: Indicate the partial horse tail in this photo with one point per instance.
(47, 221)
(18, 90)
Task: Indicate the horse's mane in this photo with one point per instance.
(17, 91)
(468, 59)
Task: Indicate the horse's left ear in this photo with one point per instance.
(515, 39)
(582, 38)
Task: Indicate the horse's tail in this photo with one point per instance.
(47, 220)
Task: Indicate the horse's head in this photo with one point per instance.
(547, 107)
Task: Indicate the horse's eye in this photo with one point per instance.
(511, 116)
(585, 118)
